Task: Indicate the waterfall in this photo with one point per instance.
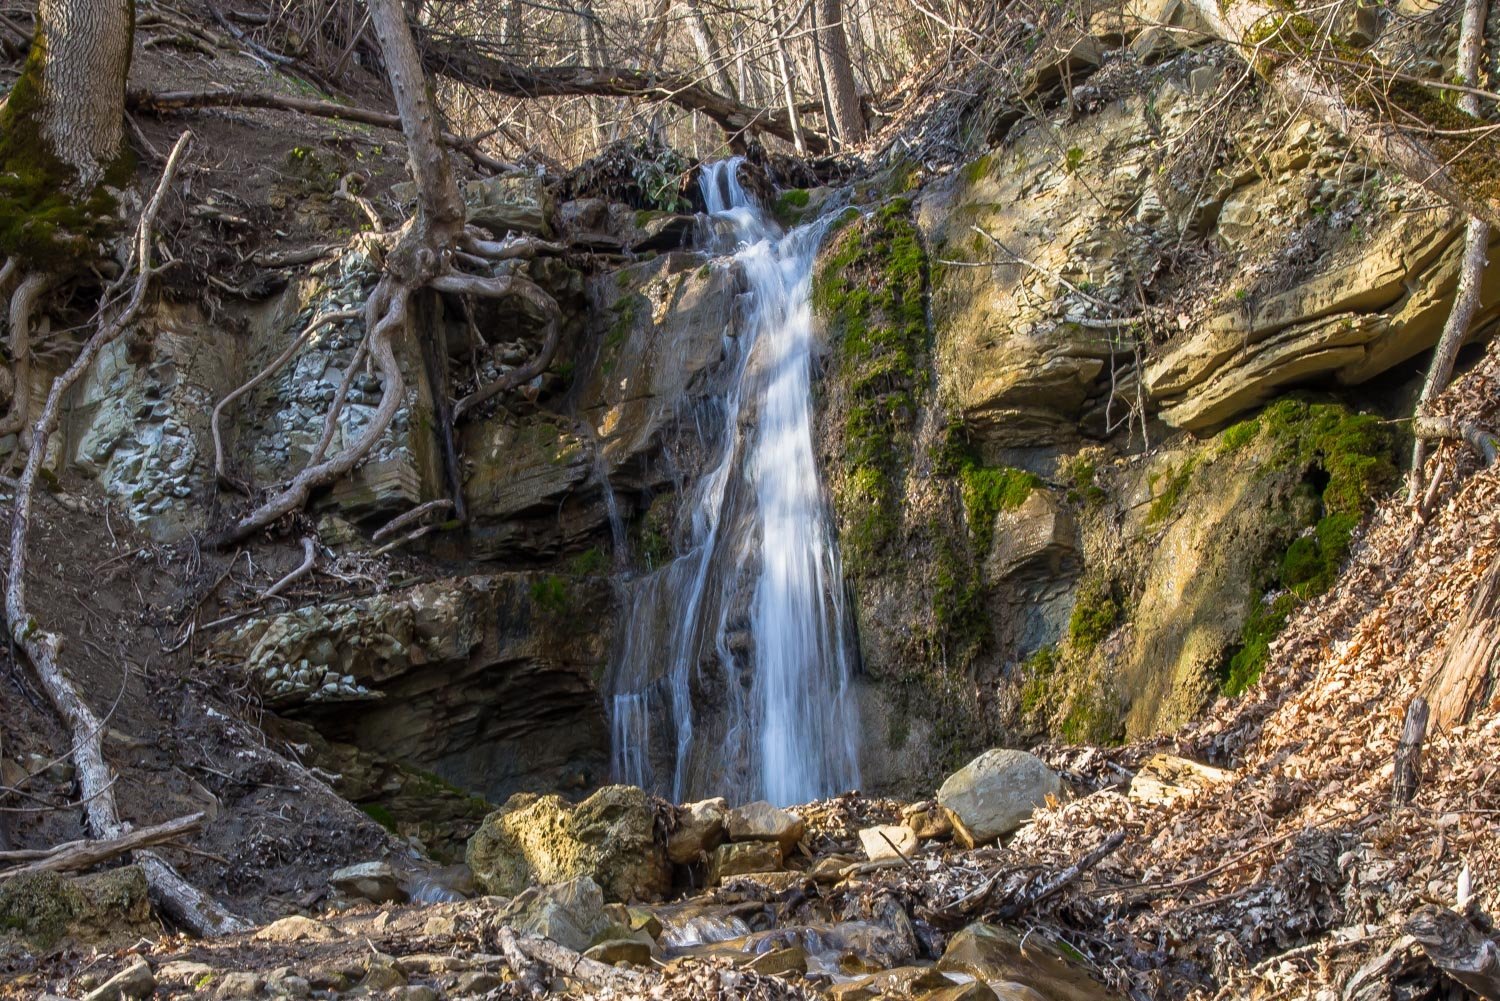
(733, 676)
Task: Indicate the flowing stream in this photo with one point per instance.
(733, 677)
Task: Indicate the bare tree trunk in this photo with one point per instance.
(842, 94)
(708, 49)
(784, 64)
(1476, 247)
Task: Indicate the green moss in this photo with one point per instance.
(870, 290)
(790, 205)
(1346, 459)
(1237, 436)
(1092, 718)
(380, 814)
(1081, 473)
(1095, 613)
(989, 490)
(1036, 674)
(1165, 500)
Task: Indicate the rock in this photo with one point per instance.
(858, 946)
(570, 913)
(382, 973)
(1240, 218)
(609, 837)
(635, 949)
(184, 971)
(974, 990)
(830, 868)
(297, 928)
(415, 992)
(1166, 778)
(888, 841)
(760, 821)
(995, 955)
(135, 981)
(517, 202)
(1038, 540)
(995, 793)
(285, 983)
(779, 961)
(634, 919)
(374, 881)
(238, 985)
(477, 982)
(902, 981)
(700, 829)
(927, 820)
(47, 909)
(742, 857)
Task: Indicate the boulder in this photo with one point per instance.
(609, 837)
(511, 202)
(374, 881)
(620, 945)
(996, 955)
(700, 829)
(45, 909)
(760, 821)
(570, 913)
(888, 841)
(996, 793)
(743, 857)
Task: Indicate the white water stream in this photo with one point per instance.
(734, 672)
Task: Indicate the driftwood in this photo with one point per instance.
(1407, 773)
(574, 966)
(75, 856)
(1473, 649)
(1455, 946)
(521, 965)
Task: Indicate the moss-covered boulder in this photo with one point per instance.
(45, 909)
(611, 837)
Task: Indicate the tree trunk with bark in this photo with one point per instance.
(843, 95)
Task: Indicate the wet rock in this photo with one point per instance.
(903, 981)
(373, 881)
(845, 946)
(743, 857)
(995, 793)
(995, 955)
(974, 990)
(779, 961)
(700, 829)
(633, 948)
(135, 981)
(609, 837)
(888, 841)
(46, 909)
(570, 913)
(760, 821)
(297, 928)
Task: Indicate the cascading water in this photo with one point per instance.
(734, 670)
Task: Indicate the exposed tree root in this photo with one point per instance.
(22, 305)
(497, 288)
(260, 377)
(175, 896)
(309, 558)
(359, 201)
(402, 520)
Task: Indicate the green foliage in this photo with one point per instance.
(989, 490)
(1266, 620)
(1237, 436)
(1095, 613)
(1081, 472)
(589, 563)
(1036, 673)
(1073, 159)
(551, 595)
(870, 291)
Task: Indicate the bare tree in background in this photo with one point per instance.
(843, 96)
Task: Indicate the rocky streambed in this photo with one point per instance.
(625, 895)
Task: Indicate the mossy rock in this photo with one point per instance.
(610, 837)
(45, 909)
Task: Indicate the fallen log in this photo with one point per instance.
(1452, 944)
(1481, 439)
(76, 856)
(575, 966)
